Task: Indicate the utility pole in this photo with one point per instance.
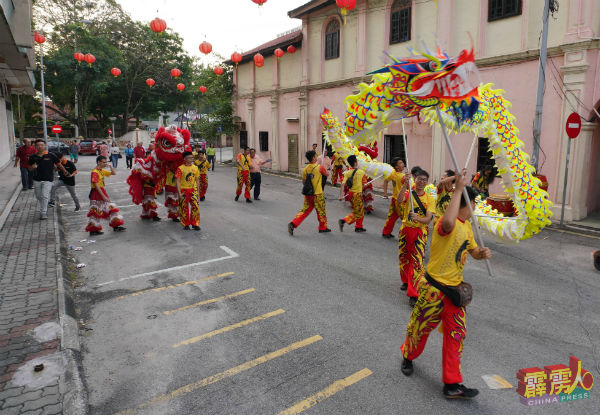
(76, 67)
(537, 123)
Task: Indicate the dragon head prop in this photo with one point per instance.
(170, 143)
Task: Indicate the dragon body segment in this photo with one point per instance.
(414, 87)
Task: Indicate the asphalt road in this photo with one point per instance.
(241, 318)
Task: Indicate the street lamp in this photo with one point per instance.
(112, 119)
(40, 39)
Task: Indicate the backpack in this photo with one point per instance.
(307, 187)
(350, 180)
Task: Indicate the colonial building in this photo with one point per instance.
(279, 104)
(16, 61)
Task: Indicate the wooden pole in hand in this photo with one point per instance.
(465, 194)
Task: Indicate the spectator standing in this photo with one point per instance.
(129, 156)
(211, 153)
(325, 161)
(42, 164)
(67, 180)
(22, 157)
(115, 152)
(103, 149)
(139, 151)
(255, 177)
(74, 151)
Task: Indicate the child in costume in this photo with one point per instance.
(203, 167)
(337, 171)
(356, 176)
(100, 205)
(187, 179)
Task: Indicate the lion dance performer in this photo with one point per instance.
(150, 174)
(367, 193)
(101, 207)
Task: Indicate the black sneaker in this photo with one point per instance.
(237, 197)
(145, 217)
(51, 204)
(77, 208)
(94, 233)
(196, 228)
(156, 219)
(457, 391)
(202, 198)
(119, 229)
(248, 200)
(341, 222)
(324, 230)
(358, 230)
(257, 198)
(412, 301)
(368, 212)
(291, 228)
(175, 219)
(407, 367)
(404, 286)
(186, 228)
(387, 235)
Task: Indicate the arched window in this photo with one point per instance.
(332, 39)
(400, 21)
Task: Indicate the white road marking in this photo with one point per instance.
(232, 254)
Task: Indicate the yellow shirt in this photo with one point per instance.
(357, 181)
(188, 176)
(397, 179)
(428, 203)
(442, 201)
(170, 179)
(98, 176)
(203, 166)
(449, 252)
(317, 180)
(245, 161)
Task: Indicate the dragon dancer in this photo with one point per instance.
(337, 170)
(187, 179)
(315, 172)
(439, 300)
(243, 175)
(353, 178)
(444, 191)
(101, 208)
(395, 211)
(203, 166)
(412, 239)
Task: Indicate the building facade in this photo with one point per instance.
(279, 104)
(16, 62)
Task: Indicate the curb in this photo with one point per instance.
(9, 205)
(71, 384)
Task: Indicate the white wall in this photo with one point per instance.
(6, 136)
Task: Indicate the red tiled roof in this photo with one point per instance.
(267, 49)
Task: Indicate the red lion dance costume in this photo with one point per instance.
(157, 170)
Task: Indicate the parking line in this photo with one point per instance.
(232, 254)
(168, 287)
(329, 391)
(212, 300)
(229, 328)
(184, 390)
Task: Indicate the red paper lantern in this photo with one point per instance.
(205, 47)
(175, 73)
(150, 82)
(158, 25)
(78, 57)
(291, 49)
(203, 89)
(259, 2)
(218, 70)
(181, 87)
(279, 52)
(89, 58)
(115, 72)
(38, 38)
(236, 58)
(259, 60)
(346, 5)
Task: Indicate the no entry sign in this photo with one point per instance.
(56, 129)
(573, 126)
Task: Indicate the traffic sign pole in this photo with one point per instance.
(572, 128)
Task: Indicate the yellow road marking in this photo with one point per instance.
(229, 328)
(168, 287)
(212, 300)
(329, 391)
(223, 375)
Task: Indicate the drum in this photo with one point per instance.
(543, 180)
(502, 204)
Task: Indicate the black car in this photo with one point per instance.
(58, 147)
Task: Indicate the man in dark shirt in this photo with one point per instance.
(42, 164)
(22, 158)
(67, 180)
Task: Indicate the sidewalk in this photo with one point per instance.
(32, 312)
